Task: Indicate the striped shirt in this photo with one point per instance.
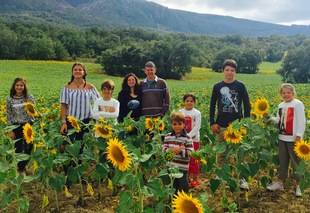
(172, 141)
(79, 101)
(155, 97)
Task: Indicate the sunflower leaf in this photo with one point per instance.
(22, 157)
(214, 184)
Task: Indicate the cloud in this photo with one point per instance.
(275, 11)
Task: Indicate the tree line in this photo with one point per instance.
(123, 50)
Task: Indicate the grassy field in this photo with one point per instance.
(46, 78)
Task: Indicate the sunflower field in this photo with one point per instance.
(121, 167)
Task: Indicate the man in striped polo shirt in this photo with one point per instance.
(155, 94)
(180, 144)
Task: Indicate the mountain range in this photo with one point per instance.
(137, 13)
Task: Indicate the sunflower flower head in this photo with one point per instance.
(149, 124)
(302, 150)
(255, 116)
(232, 136)
(243, 131)
(74, 123)
(103, 130)
(261, 106)
(184, 203)
(118, 155)
(28, 133)
(29, 108)
(161, 125)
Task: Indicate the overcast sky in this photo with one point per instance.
(274, 11)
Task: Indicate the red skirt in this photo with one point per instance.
(194, 165)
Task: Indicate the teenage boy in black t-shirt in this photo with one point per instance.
(231, 99)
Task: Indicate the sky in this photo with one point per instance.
(285, 12)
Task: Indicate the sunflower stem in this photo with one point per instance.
(81, 191)
(140, 193)
(57, 203)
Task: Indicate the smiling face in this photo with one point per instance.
(150, 72)
(229, 73)
(178, 127)
(78, 72)
(287, 94)
(106, 93)
(131, 82)
(19, 88)
(189, 103)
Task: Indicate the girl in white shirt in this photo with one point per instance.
(106, 106)
(192, 127)
(291, 121)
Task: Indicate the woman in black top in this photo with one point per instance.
(130, 98)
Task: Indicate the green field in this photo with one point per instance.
(46, 78)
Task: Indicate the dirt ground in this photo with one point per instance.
(259, 200)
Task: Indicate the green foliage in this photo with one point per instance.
(172, 58)
(296, 65)
(247, 60)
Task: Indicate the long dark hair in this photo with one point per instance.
(84, 69)
(126, 88)
(13, 91)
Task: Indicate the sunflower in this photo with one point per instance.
(29, 108)
(149, 124)
(28, 133)
(302, 150)
(232, 136)
(161, 126)
(118, 155)
(38, 145)
(255, 116)
(103, 131)
(243, 131)
(74, 122)
(261, 106)
(184, 203)
(129, 128)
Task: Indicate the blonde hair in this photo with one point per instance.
(177, 117)
(288, 86)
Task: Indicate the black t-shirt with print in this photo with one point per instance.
(229, 98)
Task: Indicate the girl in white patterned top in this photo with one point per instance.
(192, 127)
(76, 99)
(16, 115)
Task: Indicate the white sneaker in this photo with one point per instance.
(298, 191)
(244, 184)
(275, 186)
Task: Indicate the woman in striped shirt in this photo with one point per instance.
(76, 99)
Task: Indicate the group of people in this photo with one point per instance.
(150, 98)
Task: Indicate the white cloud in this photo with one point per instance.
(275, 11)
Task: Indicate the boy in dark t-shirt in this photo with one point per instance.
(231, 99)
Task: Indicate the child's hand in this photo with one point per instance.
(215, 128)
(111, 109)
(12, 135)
(177, 150)
(297, 138)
